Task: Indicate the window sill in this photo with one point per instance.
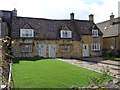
(95, 36)
(26, 52)
(26, 37)
(95, 50)
(65, 38)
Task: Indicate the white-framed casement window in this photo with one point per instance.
(95, 33)
(65, 48)
(26, 32)
(26, 48)
(96, 46)
(66, 34)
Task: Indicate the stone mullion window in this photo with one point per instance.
(26, 48)
(65, 48)
(95, 46)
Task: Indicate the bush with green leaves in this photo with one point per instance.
(103, 77)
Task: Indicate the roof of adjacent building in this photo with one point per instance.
(50, 29)
(109, 30)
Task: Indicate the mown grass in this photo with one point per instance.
(49, 73)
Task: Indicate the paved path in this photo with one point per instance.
(98, 67)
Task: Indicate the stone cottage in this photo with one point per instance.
(111, 35)
(41, 37)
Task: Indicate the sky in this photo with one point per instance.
(61, 9)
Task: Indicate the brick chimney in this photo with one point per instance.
(72, 16)
(111, 19)
(91, 17)
(14, 12)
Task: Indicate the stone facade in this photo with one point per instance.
(119, 41)
(111, 35)
(75, 48)
(75, 51)
(88, 39)
(48, 40)
(111, 43)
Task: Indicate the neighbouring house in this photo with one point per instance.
(41, 37)
(5, 23)
(111, 36)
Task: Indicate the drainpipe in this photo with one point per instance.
(115, 43)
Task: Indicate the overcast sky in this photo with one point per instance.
(60, 9)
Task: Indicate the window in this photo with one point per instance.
(26, 33)
(65, 48)
(95, 46)
(26, 48)
(66, 34)
(95, 33)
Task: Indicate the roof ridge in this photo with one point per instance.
(53, 19)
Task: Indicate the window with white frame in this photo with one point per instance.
(95, 33)
(26, 32)
(66, 34)
(26, 48)
(65, 48)
(95, 46)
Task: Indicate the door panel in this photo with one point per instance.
(42, 50)
(85, 50)
(52, 50)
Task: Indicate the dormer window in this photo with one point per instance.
(95, 33)
(26, 32)
(66, 34)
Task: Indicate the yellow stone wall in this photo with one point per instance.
(119, 42)
(76, 47)
(111, 41)
(88, 39)
(75, 51)
(16, 48)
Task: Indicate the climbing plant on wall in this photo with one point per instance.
(6, 59)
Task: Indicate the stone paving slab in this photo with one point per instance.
(91, 66)
(109, 65)
(111, 62)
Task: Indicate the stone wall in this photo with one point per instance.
(111, 43)
(88, 39)
(119, 41)
(75, 47)
(111, 46)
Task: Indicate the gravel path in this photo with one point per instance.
(98, 67)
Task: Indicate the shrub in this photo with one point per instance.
(97, 81)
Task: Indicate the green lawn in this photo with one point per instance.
(49, 73)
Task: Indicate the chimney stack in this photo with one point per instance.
(91, 17)
(72, 16)
(14, 12)
(111, 19)
(0, 14)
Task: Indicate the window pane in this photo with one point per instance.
(66, 34)
(65, 48)
(26, 33)
(96, 46)
(26, 48)
(95, 33)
